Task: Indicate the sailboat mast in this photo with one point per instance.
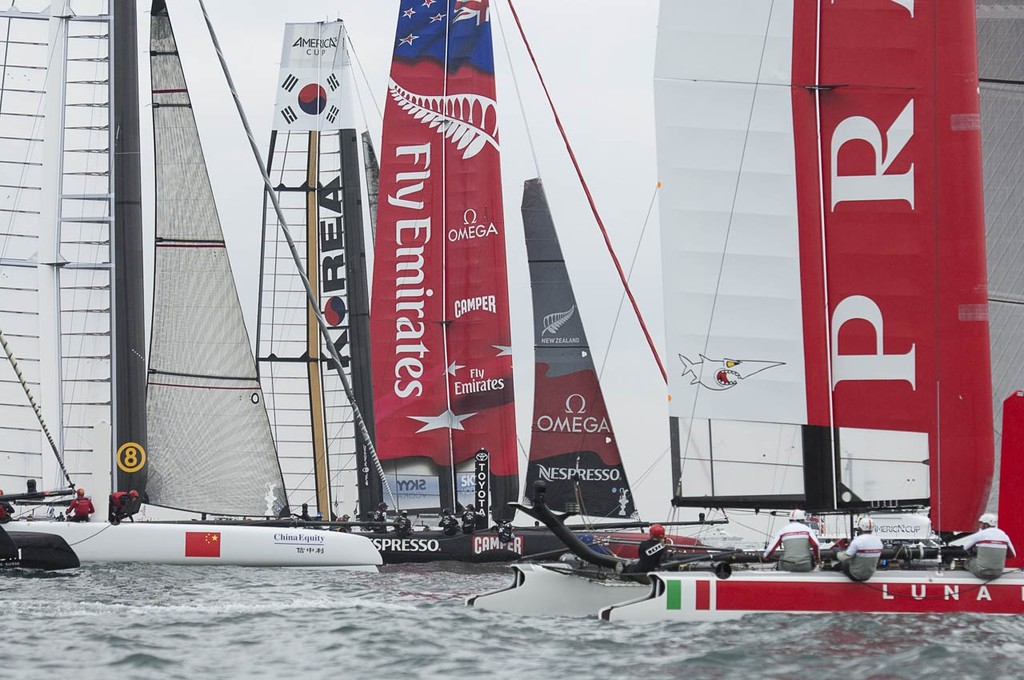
(128, 323)
(321, 473)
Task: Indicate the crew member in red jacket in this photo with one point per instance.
(80, 508)
(6, 510)
(121, 503)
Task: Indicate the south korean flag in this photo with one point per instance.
(314, 67)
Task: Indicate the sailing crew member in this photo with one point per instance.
(799, 544)
(6, 510)
(449, 525)
(120, 506)
(988, 547)
(80, 508)
(304, 515)
(469, 519)
(403, 525)
(345, 529)
(652, 551)
(380, 514)
(505, 535)
(860, 559)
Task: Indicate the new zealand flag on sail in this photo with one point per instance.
(441, 336)
(424, 24)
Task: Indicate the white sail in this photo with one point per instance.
(799, 239)
(210, 447)
(56, 213)
(1001, 70)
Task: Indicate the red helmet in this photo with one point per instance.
(81, 492)
(133, 493)
(657, 531)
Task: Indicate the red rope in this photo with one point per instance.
(590, 198)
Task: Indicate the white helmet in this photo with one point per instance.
(989, 519)
(797, 515)
(866, 524)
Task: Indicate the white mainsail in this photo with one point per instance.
(210, 446)
(1001, 71)
(810, 203)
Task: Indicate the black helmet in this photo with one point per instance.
(405, 513)
(382, 506)
(446, 511)
(470, 507)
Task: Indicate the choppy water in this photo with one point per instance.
(410, 622)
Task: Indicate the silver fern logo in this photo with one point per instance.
(468, 121)
(552, 322)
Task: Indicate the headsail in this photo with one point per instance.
(825, 304)
(1001, 72)
(210, 443)
(57, 224)
(442, 360)
(573, 447)
(315, 165)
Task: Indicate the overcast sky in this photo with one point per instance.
(597, 57)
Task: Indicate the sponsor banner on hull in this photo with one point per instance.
(906, 595)
(418, 545)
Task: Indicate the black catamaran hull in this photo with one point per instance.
(29, 550)
(480, 547)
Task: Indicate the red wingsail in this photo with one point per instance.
(897, 180)
(442, 364)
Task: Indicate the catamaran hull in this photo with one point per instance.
(692, 597)
(702, 597)
(554, 590)
(479, 548)
(34, 550)
(197, 543)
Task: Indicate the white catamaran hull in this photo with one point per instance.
(553, 590)
(696, 596)
(211, 544)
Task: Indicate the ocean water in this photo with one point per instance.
(409, 622)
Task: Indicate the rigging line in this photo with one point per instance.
(35, 407)
(1000, 81)
(629, 275)
(728, 231)
(366, 81)
(519, 95)
(1005, 301)
(590, 198)
(321, 323)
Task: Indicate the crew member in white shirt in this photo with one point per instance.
(989, 546)
(860, 559)
(799, 544)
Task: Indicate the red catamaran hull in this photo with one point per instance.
(703, 597)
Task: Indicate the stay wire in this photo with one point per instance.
(590, 197)
(321, 324)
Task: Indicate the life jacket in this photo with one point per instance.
(505, 533)
(6, 510)
(449, 525)
(468, 521)
(797, 554)
(119, 500)
(990, 560)
(863, 566)
(81, 507)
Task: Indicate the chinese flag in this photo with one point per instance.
(202, 544)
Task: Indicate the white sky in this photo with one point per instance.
(597, 57)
